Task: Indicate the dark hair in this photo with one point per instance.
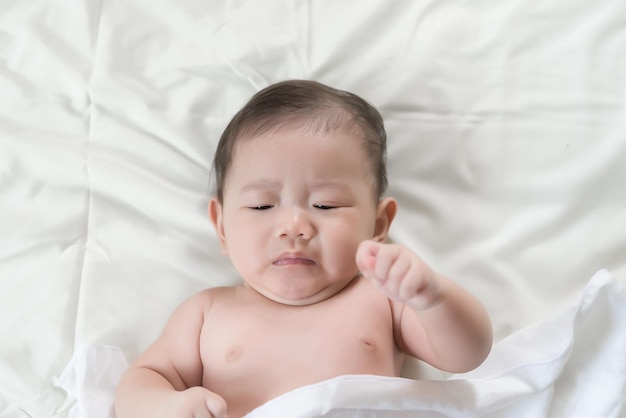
(304, 103)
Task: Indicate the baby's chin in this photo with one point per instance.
(301, 296)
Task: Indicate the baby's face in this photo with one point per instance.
(296, 206)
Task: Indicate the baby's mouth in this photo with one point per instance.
(293, 259)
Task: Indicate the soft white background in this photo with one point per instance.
(507, 152)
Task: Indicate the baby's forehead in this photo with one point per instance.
(323, 120)
(300, 132)
(249, 151)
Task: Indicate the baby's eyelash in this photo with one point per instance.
(324, 207)
(317, 206)
(261, 207)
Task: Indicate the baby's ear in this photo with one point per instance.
(215, 214)
(385, 213)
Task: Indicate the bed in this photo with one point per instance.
(507, 153)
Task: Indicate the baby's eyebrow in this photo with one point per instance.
(275, 185)
(330, 184)
(262, 184)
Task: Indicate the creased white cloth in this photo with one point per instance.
(91, 377)
(570, 365)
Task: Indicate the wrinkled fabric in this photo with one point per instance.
(91, 377)
(506, 152)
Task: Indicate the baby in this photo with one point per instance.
(300, 210)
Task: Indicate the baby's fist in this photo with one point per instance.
(198, 402)
(399, 273)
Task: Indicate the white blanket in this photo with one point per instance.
(570, 365)
(506, 151)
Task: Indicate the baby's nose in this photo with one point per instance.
(296, 223)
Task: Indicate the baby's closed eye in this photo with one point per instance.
(260, 207)
(325, 206)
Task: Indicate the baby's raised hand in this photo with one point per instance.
(399, 273)
(197, 402)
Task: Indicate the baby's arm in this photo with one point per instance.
(444, 324)
(166, 380)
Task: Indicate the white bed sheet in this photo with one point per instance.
(507, 153)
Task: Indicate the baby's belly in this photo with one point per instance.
(249, 375)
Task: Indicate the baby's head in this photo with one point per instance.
(309, 105)
(300, 176)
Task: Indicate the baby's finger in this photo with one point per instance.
(399, 269)
(385, 259)
(410, 286)
(366, 257)
(421, 294)
(216, 405)
(200, 411)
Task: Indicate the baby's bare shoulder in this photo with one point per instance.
(201, 302)
(363, 290)
(212, 294)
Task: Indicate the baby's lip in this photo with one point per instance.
(289, 258)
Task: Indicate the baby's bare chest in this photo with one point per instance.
(255, 354)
